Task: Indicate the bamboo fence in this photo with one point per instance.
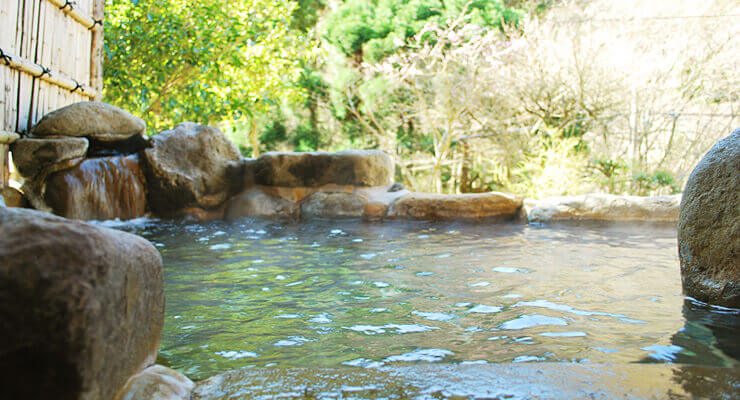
(50, 56)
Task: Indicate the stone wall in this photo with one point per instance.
(91, 161)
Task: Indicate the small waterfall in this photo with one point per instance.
(99, 188)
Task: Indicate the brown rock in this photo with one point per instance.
(32, 156)
(13, 197)
(157, 383)
(90, 119)
(34, 189)
(191, 166)
(81, 307)
(455, 206)
(334, 205)
(98, 189)
(257, 202)
(350, 167)
(709, 226)
(605, 207)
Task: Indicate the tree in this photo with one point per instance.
(208, 61)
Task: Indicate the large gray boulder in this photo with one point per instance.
(91, 119)
(81, 307)
(709, 226)
(432, 206)
(33, 156)
(349, 167)
(190, 166)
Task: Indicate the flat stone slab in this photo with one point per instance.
(91, 119)
(349, 167)
(602, 207)
(330, 201)
(81, 307)
(487, 381)
(33, 156)
(455, 206)
(709, 226)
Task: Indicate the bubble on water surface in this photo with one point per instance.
(399, 328)
(563, 334)
(293, 341)
(381, 284)
(484, 309)
(528, 359)
(358, 240)
(281, 277)
(474, 362)
(605, 350)
(529, 321)
(289, 316)
(364, 363)
(566, 308)
(509, 270)
(428, 355)
(434, 316)
(321, 319)
(663, 353)
(235, 355)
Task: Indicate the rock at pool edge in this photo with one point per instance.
(709, 226)
(81, 307)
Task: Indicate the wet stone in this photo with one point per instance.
(349, 167)
(81, 307)
(709, 226)
(33, 156)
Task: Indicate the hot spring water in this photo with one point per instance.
(362, 295)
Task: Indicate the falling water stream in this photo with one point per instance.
(99, 188)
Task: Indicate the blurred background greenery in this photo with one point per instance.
(539, 98)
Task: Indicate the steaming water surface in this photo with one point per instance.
(364, 295)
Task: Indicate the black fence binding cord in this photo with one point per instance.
(6, 58)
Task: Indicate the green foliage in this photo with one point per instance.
(369, 30)
(205, 61)
(645, 183)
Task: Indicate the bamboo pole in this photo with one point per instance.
(55, 78)
(96, 51)
(70, 8)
